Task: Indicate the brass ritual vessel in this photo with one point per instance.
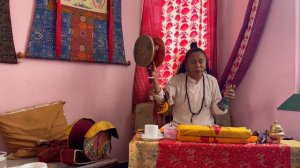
(275, 133)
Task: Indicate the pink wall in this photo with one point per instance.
(103, 92)
(97, 91)
(270, 79)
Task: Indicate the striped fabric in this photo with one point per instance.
(7, 48)
(247, 42)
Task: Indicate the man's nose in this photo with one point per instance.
(198, 64)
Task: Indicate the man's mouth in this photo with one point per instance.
(198, 71)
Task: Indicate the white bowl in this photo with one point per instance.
(35, 165)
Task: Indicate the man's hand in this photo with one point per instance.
(230, 92)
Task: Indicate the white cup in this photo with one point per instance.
(151, 131)
(3, 161)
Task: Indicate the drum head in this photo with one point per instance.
(160, 51)
(144, 50)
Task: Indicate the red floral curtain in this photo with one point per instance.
(186, 21)
(178, 23)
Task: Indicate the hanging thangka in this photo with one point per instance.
(78, 30)
(7, 48)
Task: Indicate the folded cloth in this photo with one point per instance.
(49, 151)
(217, 140)
(214, 131)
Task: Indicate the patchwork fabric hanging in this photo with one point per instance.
(78, 30)
(7, 48)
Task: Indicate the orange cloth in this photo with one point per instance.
(213, 131)
(217, 140)
(253, 139)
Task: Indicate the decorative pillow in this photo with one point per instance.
(24, 128)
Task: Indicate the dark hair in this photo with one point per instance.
(193, 48)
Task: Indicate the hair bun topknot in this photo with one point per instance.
(193, 45)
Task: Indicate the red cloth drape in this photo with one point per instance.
(211, 50)
(151, 25)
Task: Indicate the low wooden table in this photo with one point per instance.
(101, 163)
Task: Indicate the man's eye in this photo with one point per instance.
(201, 61)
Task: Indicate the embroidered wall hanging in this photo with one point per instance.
(7, 48)
(78, 30)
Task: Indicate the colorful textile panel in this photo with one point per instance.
(83, 34)
(96, 148)
(7, 48)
